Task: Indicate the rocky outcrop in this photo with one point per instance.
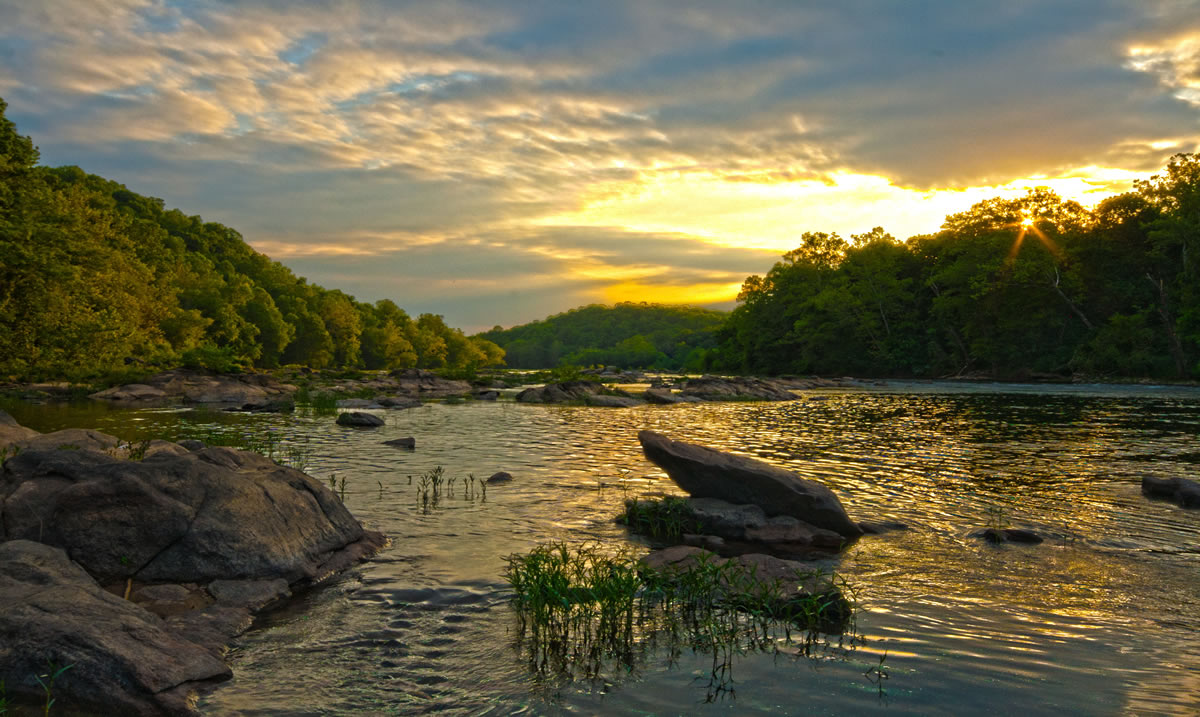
(666, 396)
(355, 419)
(245, 390)
(735, 388)
(119, 658)
(418, 382)
(707, 473)
(1181, 491)
(565, 392)
(196, 540)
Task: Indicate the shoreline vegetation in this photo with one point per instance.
(101, 286)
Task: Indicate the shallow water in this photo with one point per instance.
(1101, 619)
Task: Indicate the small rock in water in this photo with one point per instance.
(1184, 492)
(1008, 535)
(410, 443)
(500, 477)
(359, 420)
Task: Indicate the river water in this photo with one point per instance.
(1100, 619)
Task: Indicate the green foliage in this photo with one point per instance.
(1011, 288)
(626, 335)
(96, 280)
(664, 518)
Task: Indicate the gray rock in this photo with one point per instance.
(198, 387)
(750, 524)
(409, 443)
(218, 513)
(418, 382)
(487, 395)
(130, 393)
(608, 401)
(359, 420)
(566, 392)
(1181, 491)
(123, 659)
(707, 473)
(357, 403)
(500, 477)
(398, 402)
(735, 388)
(192, 444)
(252, 594)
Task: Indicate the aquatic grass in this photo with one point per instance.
(662, 518)
(433, 486)
(586, 612)
(320, 403)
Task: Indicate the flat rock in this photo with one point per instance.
(419, 382)
(608, 401)
(667, 396)
(565, 392)
(1182, 491)
(124, 660)
(200, 387)
(252, 594)
(398, 402)
(409, 443)
(355, 419)
(707, 473)
(735, 388)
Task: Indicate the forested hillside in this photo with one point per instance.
(1009, 288)
(96, 279)
(627, 335)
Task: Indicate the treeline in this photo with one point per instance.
(97, 280)
(1010, 289)
(627, 335)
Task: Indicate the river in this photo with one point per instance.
(1100, 619)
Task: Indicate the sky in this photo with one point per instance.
(497, 162)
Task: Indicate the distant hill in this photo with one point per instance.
(97, 281)
(627, 335)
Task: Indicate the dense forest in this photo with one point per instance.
(1009, 289)
(627, 335)
(98, 281)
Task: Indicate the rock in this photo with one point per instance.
(218, 513)
(408, 443)
(123, 659)
(708, 542)
(12, 432)
(487, 395)
(398, 402)
(359, 420)
(199, 387)
(707, 473)
(252, 594)
(77, 439)
(735, 388)
(607, 401)
(267, 405)
(748, 523)
(192, 444)
(666, 396)
(499, 477)
(881, 526)
(1181, 491)
(1008, 535)
(418, 382)
(565, 392)
(357, 403)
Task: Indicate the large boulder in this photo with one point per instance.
(735, 388)
(707, 473)
(12, 432)
(1182, 491)
(118, 658)
(217, 513)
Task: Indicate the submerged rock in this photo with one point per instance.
(500, 477)
(1008, 535)
(408, 443)
(355, 419)
(1181, 491)
(707, 473)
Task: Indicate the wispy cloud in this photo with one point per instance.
(593, 150)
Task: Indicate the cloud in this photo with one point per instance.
(619, 141)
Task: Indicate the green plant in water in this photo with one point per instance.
(662, 518)
(137, 451)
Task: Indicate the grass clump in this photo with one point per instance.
(589, 613)
(663, 518)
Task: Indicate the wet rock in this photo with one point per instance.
(252, 594)
(1008, 535)
(124, 660)
(707, 473)
(880, 527)
(418, 382)
(398, 402)
(267, 405)
(608, 401)
(131, 393)
(409, 443)
(357, 403)
(565, 392)
(487, 395)
(666, 396)
(192, 444)
(735, 388)
(500, 477)
(359, 420)
(1181, 491)
(198, 387)
(748, 523)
